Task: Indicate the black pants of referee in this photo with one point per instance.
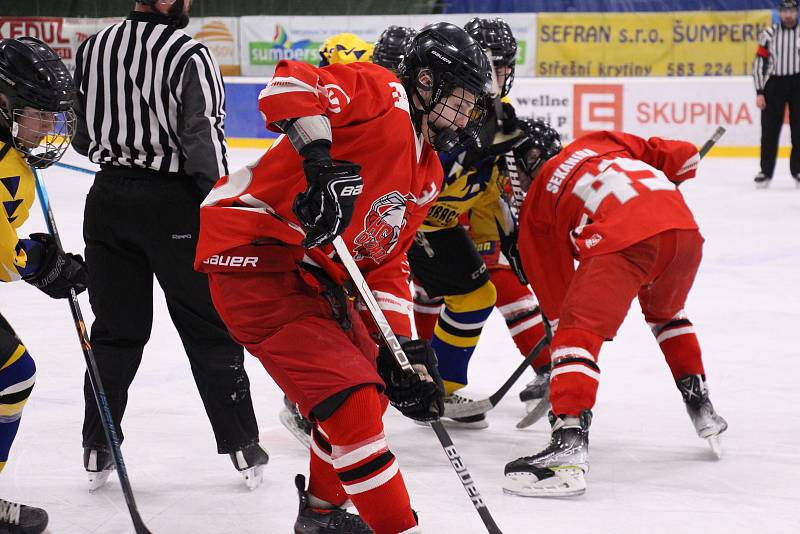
(778, 92)
(137, 225)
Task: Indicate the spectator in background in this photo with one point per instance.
(776, 72)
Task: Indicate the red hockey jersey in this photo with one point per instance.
(369, 114)
(605, 191)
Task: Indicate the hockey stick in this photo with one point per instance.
(718, 133)
(517, 194)
(94, 374)
(482, 406)
(74, 168)
(402, 360)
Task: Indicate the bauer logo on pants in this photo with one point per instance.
(382, 226)
(597, 107)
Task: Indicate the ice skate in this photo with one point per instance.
(536, 397)
(311, 520)
(250, 462)
(98, 464)
(796, 180)
(707, 423)
(295, 423)
(17, 518)
(762, 180)
(558, 470)
(472, 422)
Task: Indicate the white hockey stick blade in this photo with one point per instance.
(557, 482)
(468, 408)
(288, 421)
(538, 411)
(716, 446)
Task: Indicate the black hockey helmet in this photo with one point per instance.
(38, 87)
(536, 134)
(390, 48)
(495, 36)
(452, 60)
(788, 4)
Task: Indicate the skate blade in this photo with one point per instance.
(565, 482)
(716, 446)
(538, 411)
(97, 479)
(253, 477)
(762, 185)
(287, 420)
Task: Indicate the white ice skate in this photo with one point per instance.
(558, 470)
(472, 422)
(99, 465)
(250, 462)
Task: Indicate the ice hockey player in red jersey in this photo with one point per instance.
(610, 201)
(357, 159)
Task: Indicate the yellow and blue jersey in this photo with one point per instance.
(17, 192)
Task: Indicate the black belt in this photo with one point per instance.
(138, 173)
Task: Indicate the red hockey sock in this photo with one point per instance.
(681, 349)
(323, 482)
(425, 317)
(366, 468)
(521, 312)
(575, 374)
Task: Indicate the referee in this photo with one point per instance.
(776, 72)
(151, 112)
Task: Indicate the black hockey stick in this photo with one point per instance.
(468, 409)
(402, 360)
(94, 374)
(718, 133)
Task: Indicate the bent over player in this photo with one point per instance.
(36, 124)
(610, 201)
(358, 159)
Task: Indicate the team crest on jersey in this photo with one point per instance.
(382, 226)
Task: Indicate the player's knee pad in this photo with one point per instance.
(17, 377)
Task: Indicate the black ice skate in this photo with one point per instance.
(796, 180)
(536, 397)
(762, 180)
(17, 518)
(324, 521)
(250, 462)
(98, 464)
(293, 420)
(707, 423)
(558, 470)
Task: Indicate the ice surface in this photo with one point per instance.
(649, 472)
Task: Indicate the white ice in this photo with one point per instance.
(649, 471)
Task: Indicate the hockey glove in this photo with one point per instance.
(325, 208)
(509, 248)
(509, 118)
(59, 270)
(419, 395)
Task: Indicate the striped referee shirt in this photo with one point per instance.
(777, 54)
(150, 96)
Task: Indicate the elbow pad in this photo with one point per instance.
(303, 131)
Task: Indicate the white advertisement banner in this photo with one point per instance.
(687, 108)
(221, 36)
(266, 40)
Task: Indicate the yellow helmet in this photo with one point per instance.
(344, 48)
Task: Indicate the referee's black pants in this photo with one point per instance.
(135, 228)
(779, 91)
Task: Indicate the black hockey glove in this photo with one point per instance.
(326, 206)
(509, 248)
(420, 395)
(59, 270)
(509, 118)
